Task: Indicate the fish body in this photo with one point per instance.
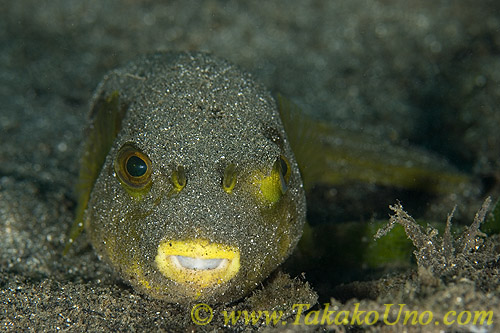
(188, 185)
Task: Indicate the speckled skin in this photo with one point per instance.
(202, 113)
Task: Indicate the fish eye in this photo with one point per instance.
(136, 166)
(284, 169)
(133, 168)
(229, 178)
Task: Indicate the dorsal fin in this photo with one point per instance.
(333, 155)
(105, 120)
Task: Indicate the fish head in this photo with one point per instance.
(200, 196)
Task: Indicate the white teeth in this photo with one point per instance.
(197, 263)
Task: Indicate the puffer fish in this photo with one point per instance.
(188, 184)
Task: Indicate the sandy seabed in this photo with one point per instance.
(423, 74)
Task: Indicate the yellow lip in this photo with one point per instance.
(197, 262)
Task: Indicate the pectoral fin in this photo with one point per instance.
(105, 122)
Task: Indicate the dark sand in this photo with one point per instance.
(423, 73)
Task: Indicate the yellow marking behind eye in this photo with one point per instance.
(272, 187)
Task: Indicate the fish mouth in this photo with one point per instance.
(197, 262)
